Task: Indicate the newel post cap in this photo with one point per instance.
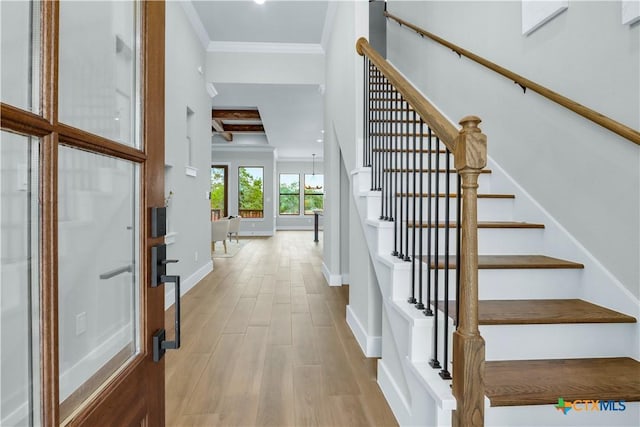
(360, 44)
(471, 145)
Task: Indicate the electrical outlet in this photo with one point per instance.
(196, 257)
(81, 323)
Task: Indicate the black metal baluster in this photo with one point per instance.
(380, 131)
(458, 243)
(444, 373)
(434, 362)
(420, 304)
(428, 311)
(406, 200)
(412, 298)
(374, 103)
(365, 109)
(401, 194)
(396, 106)
(392, 171)
(385, 140)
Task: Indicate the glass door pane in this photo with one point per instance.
(98, 68)
(19, 282)
(20, 53)
(99, 286)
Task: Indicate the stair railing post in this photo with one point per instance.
(468, 345)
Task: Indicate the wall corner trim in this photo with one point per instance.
(332, 279)
(371, 345)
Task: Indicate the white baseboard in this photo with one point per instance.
(371, 345)
(267, 233)
(332, 279)
(296, 227)
(186, 285)
(345, 278)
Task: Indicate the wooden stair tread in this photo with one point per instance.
(453, 195)
(485, 224)
(511, 262)
(542, 312)
(542, 382)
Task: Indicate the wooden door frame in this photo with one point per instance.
(141, 371)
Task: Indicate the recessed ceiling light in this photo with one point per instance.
(318, 140)
(322, 131)
(259, 1)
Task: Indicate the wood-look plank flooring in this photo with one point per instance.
(541, 382)
(265, 343)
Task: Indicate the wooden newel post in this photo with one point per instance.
(468, 345)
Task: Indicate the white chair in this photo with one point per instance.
(219, 230)
(234, 228)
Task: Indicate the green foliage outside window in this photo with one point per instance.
(289, 194)
(313, 193)
(217, 189)
(251, 191)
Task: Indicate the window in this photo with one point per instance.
(313, 193)
(251, 192)
(218, 192)
(289, 194)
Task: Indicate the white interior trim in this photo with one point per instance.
(371, 345)
(332, 279)
(265, 47)
(196, 23)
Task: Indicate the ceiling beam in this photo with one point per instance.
(244, 128)
(218, 128)
(235, 114)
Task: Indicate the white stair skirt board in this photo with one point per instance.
(371, 345)
(186, 285)
(332, 279)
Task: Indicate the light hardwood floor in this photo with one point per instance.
(265, 343)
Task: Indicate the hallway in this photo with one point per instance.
(265, 343)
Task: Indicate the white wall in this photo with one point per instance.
(235, 157)
(585, 176)
(302, 221)
(188, 211)
(273, 68)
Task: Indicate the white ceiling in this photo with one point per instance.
(271, 22)
(292, 115)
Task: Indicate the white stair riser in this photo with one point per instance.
(556, 341)
(396, 181)
(501, 284)
(549, 416)
(488, 209)
(491, 241)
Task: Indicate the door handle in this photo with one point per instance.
(159, 276)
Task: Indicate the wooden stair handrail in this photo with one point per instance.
(586, 112)
(432, 117)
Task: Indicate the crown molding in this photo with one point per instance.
(196, 23)
(264, 47)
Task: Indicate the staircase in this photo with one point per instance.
(562, 341)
